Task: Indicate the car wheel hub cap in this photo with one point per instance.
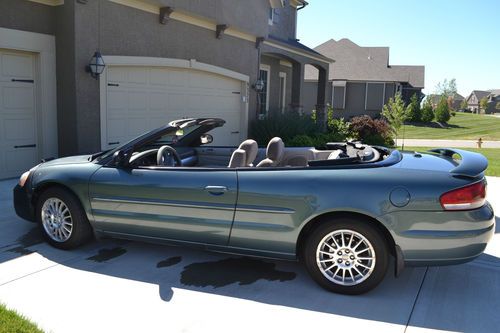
(345, 257)
(56, 220)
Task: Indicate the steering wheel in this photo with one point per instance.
(167, 156)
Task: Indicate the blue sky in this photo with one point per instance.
(452, 38)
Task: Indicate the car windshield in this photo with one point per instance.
(171, 136)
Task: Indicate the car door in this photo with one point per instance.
(186, 204)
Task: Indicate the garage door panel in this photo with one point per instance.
(17, 65)
(17, 97)
(21, 129)
(117, 99)
(168, 77)
(138, 100)
(19, 159)
(168, 94)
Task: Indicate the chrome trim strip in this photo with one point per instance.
(165, 203)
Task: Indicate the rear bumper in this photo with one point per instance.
(22, 204)
(442, 238)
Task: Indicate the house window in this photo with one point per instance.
(338, 95)
(271, 16)
(264, 75)
(282, 101)
(374, 99)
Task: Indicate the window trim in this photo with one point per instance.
(267, 68)
(282, 96)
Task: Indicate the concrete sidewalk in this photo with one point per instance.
(448, 143)
(117, 286)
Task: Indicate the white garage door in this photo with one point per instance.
(143, 98)
(18, 150)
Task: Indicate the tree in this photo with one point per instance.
(427, 112)
(413, 111)
(395, 113)
(443, 111)
(464, 105)
(483, 104)
(447, 88)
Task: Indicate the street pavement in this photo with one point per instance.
(448, 143)
(119, 286)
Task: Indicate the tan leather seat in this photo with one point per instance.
(251, 148)
(274, 153)
(238, 159)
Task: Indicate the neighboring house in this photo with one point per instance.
(361, 79)
(474, 99)
(455, 103)
(165, 59)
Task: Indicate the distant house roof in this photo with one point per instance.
(480, 93)
(436, 98)
(495, 92)
(357, 63)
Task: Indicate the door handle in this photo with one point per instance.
(216, 190)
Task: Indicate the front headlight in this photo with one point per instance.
(24, 178)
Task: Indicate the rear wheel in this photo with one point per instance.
(61, 218)
(346, 256)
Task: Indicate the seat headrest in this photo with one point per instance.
(275, 149)
(251, 148)
(238, 159)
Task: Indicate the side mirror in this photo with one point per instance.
(120, 158)
(206, 139)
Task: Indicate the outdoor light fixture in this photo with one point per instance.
(96, 65)
(259, 85)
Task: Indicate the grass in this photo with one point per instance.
(493, 156)
(465, 126)
(11, 321)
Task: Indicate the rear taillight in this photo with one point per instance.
(465, 198)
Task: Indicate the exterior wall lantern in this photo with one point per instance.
(259, 85)
(96, 65)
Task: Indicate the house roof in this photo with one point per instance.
(495, 92)
(294, 43)
(436, 98)
(357, 63)
(480, 93)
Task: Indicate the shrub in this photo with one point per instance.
(413, 111)
(396, 113)
(372, 131)
(427, 113)
(442, 111)
(453, 113)
(285, 126)
(301, 140)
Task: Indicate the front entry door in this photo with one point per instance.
(194, 205)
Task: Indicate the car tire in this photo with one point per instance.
(341, 267)
(61, 219)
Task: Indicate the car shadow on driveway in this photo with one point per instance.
(450, 291)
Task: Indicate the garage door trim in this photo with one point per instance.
(172, 63)
(44, 47)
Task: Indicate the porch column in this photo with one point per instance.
(321, 98)
(297, 82)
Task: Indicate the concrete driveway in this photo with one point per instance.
(117, 286)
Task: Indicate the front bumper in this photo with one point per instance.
(22, 204)
(442, 238)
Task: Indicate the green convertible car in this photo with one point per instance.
(344, 211)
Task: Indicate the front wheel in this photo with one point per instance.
(61, 218)
(346, 256)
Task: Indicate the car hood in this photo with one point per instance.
(68, 160)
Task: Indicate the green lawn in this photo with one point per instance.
(11, 321)
(464, 126)
(493, 156)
